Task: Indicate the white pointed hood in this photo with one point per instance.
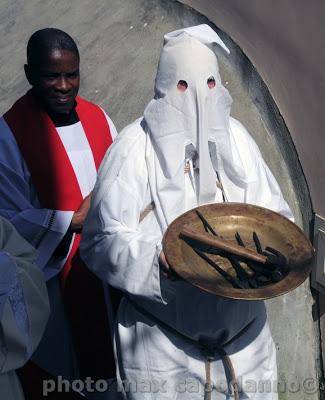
(177, 118)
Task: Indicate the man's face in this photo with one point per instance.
(55, 80)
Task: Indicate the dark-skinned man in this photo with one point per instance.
(52, 143)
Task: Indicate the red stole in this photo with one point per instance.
(58, 189)
(41, 147)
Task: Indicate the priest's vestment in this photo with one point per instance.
(45, 172)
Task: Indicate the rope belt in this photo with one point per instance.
(209, 353)
(150, 207)
(208, 350)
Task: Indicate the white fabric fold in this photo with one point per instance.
(203, 33)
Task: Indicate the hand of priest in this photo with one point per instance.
(80, 215)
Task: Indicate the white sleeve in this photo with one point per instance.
(267, 190)
(24, 306)
(41, 227)
(262, 189)
(112, 246)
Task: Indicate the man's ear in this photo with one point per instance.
(28, 74)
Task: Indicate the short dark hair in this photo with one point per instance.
(48, 40)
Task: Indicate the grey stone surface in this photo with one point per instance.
(284, 38)
(119, 44)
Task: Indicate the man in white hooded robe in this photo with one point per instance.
(185, 151)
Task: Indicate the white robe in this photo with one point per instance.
(124, 253)
(19, 204)
(24, 308)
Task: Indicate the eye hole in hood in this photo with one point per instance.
(211, 82)
(182, 85)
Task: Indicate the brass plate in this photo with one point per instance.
(227, 218)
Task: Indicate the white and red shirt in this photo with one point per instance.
(39, 212)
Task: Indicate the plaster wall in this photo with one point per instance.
(285, 39)
(120, 43)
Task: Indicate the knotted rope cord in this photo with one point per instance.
(208, 388)
(150, 207)
(209, 351)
